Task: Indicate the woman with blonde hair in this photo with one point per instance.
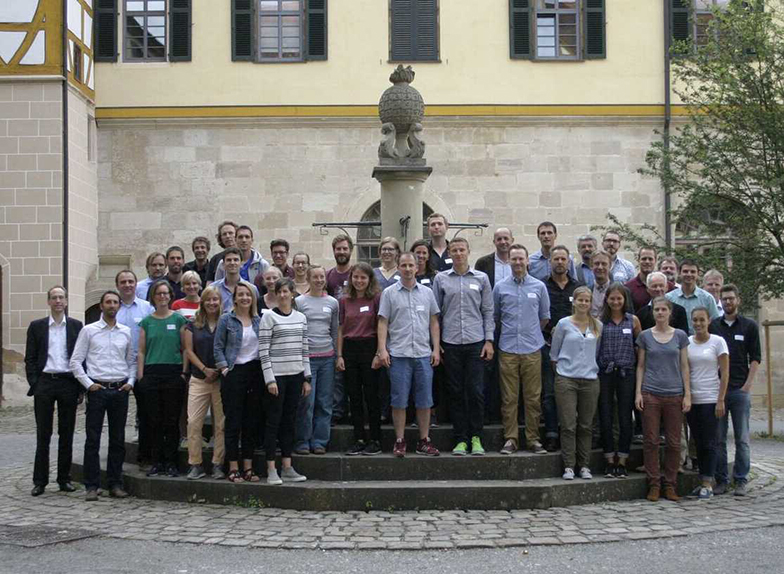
(573, 354)
(188, 305)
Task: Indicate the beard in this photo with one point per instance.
(342, 259)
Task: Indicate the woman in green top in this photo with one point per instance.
(160, 374)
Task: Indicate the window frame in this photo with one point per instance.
(280, 14)
(702, 12)
(558, 12)
(145, 14)
(368, 238)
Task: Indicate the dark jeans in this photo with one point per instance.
(143, 452)
(738, 405)
(705, 429)
(162, 397)
(549, 406)
(616, 394)
(114, 404)
(63, 391)
(492, 389)
(362, 386)
(240, 390)
(281, 411)
(465, 382)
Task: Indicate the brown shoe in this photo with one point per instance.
(669, 494)
(91, 495)
(117, 492)
(653, 494)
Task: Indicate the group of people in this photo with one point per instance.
(277, 352)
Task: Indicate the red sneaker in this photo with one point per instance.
(425, 447)
(399, 449)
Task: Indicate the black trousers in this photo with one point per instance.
(240, 391)
(143, 452)
(162, 397)
(63, 391)
(362, 386)
(281, 412)
(114, 405)
(465, 384)
(616, 390)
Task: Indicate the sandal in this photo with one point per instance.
(235, 476)
(249, 476)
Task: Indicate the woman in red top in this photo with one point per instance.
(357, 354)
(188, 305)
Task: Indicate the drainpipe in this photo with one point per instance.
(667, 118)
(65, 143)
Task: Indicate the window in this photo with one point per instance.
(413, 30)
(279, 30)
(557, 29)
(78, 64)
(145, 30)
(369, 237)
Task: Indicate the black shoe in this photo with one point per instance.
(372, 448)
(67, 487)
(154, 470)
(358, 448)
(620, 471)
(551, 444)
(610, 470)
(172, 471)
(38, 490)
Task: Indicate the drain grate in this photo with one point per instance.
(36, 536)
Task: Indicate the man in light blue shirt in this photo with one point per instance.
(522, 307)
(156, 269)
(621, 271)
(689, 296)
(539, 263)
(226, 286)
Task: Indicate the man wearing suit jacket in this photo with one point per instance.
(50, 343)
(657, 287)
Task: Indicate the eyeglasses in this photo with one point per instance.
(388, 250)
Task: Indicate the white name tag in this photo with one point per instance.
(474, 286)
(326, 309)
(137, 319)
(345, 283)
(739, 337)
(420, 307)
(627, 331)
(448, 261)
(364, 309)
(171, 327)
(425, 281)
(589, 335)
(571, 299)
(532, 295)
(619, 276)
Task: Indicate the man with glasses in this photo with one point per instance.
(621, 270)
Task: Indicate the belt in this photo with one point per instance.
(111, 384)
(57, 376)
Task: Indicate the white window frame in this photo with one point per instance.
(280, 13)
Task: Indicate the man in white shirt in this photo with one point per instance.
(107, 349)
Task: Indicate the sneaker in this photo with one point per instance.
(358, 448)
(154, 470)
(172, 471)
(291, 475)
(695, 492)
(319, 450)
(91, 495)
(118, 492)
(217, 472)
(637, 439)
(399, 449)
(302, 451)
(461, 449)
(705, 493)
(425, 447)
(196, 472)
(273, 478)
(585, 473)
(720, 488)
(373, 448)
(620, 471)
(537, 448)
(740, 489)
(509, 447)
(476, 446)
(568, 473)
(609, 470)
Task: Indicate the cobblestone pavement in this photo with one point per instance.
(135, 519)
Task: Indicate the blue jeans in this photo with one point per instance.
(738, 404)
(314, 413)
(549, 407)
(407, 373)
(114, 405)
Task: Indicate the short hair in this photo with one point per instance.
(546, 224)
(190, 276)
(279, 243)
(117, 277)
(241, 227)
(688, 261)
(151, 257)
(656, 275)
(600, 253)
(284, 282)
(713, 273)
(372, 289)
(154, 288)
(668, 259)
(107, 293)
(49, 292)
(661, 299)
(730, 287)
(301, 254)
(254, 306)
(460, 240)
(232, 251)
(518, 246)
(340, 239)
(587, 237)
(221, 226)
(614, 232)
(703, 309)
(647, 248)
(391, 240)
(201, 239)
(437, 216)
(174, 248)
(312, 267)
(407, 254)
(560, 248)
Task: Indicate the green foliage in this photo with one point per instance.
(725, 165)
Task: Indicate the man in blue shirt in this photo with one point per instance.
(621, 270)
(689, 296)
(522, 307)
(586, 245)
(539, 263)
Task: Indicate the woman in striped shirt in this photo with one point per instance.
(283, 350)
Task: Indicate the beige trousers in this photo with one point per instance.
(202, 395)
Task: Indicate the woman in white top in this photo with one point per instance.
(708, 356)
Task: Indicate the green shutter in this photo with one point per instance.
(401, 28)
(521, 14)
(595, 30)
(426, 30)
(317, 29)
(180, 31)
(242, 30)
(680, 21)
(105, 31)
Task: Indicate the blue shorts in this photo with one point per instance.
(405, 372)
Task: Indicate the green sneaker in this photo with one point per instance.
(476, 446)
(461, 449)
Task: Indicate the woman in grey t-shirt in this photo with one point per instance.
(662, 394)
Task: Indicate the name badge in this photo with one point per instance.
(448, 261)
(571, 299)
(137, 319)
(326, 309)
(474, 286)
(345, 283)
(589, 335)
(364, 309)
(532, 295)
(627, 331)
(420, 307)
(171, 327)
(739, 337)
(425, 282)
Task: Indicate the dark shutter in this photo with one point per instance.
(414, 29)
(242, 29)
(426, 30)
(595, 30)
(520, 17)
(401, 29)
(105, 31)
(680, 21)
(317, 29)
(180, 34)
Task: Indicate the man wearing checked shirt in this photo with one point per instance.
(522, 306)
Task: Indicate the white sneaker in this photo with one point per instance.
(568, 474)
(273, 478)
(291, 475)
(585, 473)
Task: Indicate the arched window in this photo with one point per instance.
(368, 237)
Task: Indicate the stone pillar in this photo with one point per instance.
(401, 196)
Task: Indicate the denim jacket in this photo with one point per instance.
(228, 339)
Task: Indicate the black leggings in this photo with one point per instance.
(616, 390)
(162, 396)
(362, 386)
(240, 396)
(281, 412)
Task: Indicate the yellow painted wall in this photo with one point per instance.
(475, 67)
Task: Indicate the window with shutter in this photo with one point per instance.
(520, 17)
(242, 29)
(144, 31)
(105, 30)
(180, 35)
(413, 30)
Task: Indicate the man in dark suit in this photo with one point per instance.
(50, 343)
(657, 287)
